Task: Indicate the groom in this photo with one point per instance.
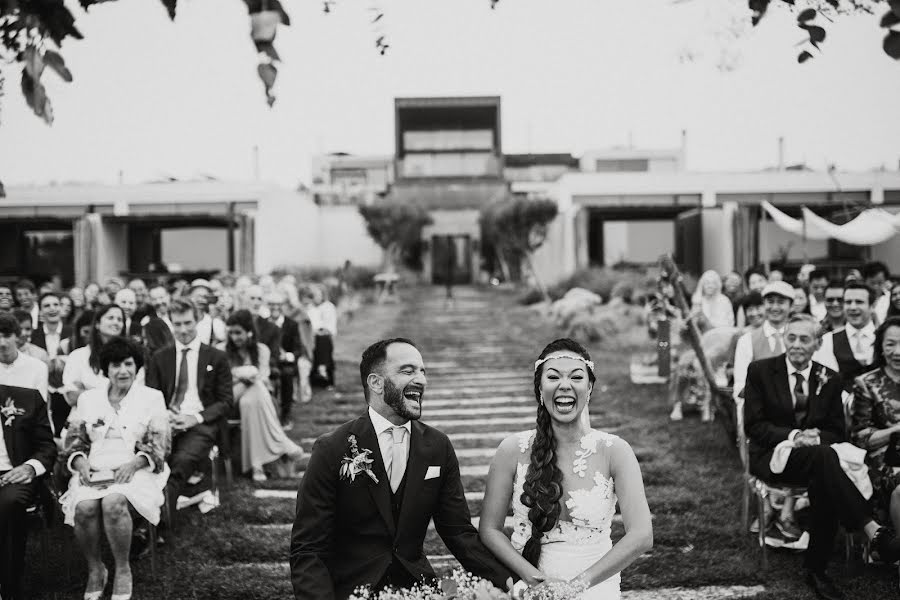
(373, 485)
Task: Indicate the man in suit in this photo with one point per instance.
(50, 330)
(127, 301)
(791, 397)
(27, 452)
(289, 354)
(850, 351)
(195, 380)
(367, 527)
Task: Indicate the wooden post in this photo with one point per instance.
(664, 347)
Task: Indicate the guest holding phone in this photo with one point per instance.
(116, 446)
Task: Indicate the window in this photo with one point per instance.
(622, 165)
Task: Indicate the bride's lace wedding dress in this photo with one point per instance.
(573, 545)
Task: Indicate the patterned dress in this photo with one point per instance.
(876, 406)
(573, 545)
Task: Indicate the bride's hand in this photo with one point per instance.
(533, 580)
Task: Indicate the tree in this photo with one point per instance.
(396, 228)
(32, 32)
(516, 227)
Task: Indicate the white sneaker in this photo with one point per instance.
(676, 413)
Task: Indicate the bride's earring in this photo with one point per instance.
(542, 400)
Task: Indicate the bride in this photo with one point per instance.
(563, 480)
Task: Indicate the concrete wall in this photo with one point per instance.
(195, 248)
(292, 230)
(112, 250)
(550, 259)
(718, 246)
(637, 241)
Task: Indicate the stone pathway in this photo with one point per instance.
(479, 392)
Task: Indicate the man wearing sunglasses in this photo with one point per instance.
(834, 307)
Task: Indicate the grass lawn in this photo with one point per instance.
(690, 469)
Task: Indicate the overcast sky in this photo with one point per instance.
(155, 99)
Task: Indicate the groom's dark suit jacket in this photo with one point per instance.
(345, 534)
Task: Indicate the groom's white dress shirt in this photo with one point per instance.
(383, 429)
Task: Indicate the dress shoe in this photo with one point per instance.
(887, 545)
(823, 586)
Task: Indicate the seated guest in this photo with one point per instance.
(849, 351)
(116, 445)
(894, 308)
(127, 301)
(733, 288)
(82, 370)
(262, 439)
(7, 300)
(834, 307)
(25, 345)
(211, 329)
(789, 397)
(290, 352)
(818, 283)
(876, 275)
(27, 452)
(156, 335)
(17, 368)
(876, 419)
(26, 298)
(195, 380)
(756, 280)
(50, 330)
(801, 302)
(768, 339)
(81, 332)
(711, 304)
(66, 310)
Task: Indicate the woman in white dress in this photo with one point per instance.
(563, 480)
(116, 446)
(263, 440)
(82, 371)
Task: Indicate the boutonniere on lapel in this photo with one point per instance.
(822, 377)
(357, 462)
(98, 423)
(10, 412)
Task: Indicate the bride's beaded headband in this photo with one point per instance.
(589, 363)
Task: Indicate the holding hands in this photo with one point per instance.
(181, 422)
(807, 437)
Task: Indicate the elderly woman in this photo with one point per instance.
(876, 419)
(711, 303)
(116, 446)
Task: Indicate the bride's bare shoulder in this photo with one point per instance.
(514, 445)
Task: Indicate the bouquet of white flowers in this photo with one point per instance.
(465, 586)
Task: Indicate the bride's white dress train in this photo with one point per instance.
(574, 545)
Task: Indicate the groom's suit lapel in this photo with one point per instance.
(381, 491)
(416, 467)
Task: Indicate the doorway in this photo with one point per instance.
(451, 259)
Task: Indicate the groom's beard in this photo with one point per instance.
(404, 407)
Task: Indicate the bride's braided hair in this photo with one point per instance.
(543, 482)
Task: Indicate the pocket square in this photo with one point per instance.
(432, 473)
(208, 368)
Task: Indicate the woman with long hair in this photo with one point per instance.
(263, 441)
(82, 370)
(563, 479)
(156, 335)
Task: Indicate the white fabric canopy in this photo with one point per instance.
(872, 226)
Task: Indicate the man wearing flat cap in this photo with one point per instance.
(767, 340)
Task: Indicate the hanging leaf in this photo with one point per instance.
(264, 25)
(268, 49)
(267, 72)
(34, 62)
(890, 19)
(816, 35)
(807, 15)
(895, 6)
(36, 97)
(55, 61)
(759, 8)
(170, 7)
(892, 44)
(804, 56)
(835, 4)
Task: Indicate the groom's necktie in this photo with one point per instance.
(398, 457)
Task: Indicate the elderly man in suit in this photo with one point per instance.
(789, 397)
(195, 380)
(27, 451)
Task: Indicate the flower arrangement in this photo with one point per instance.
(357, 462)
(823, 378)
(10, 412)
(465, 586)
